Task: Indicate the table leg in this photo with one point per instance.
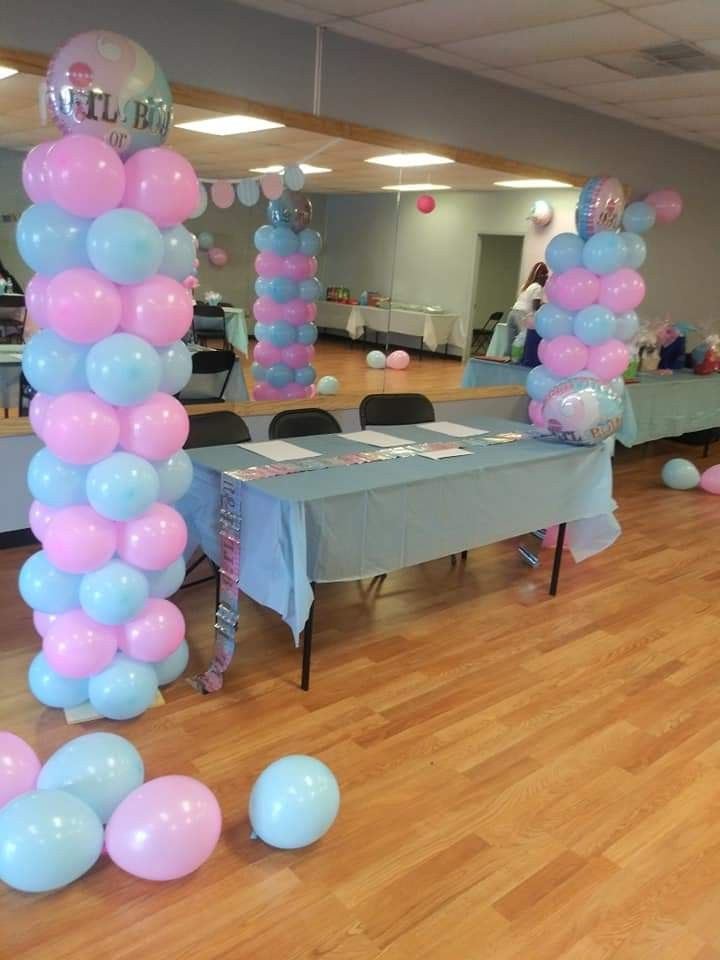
(307, 646)
(421, 346)
(557, 559)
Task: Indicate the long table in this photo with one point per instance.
(431, 329)
(353, 522)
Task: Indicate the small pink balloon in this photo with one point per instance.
(217, 256)
(86, 176)
(311, 391)
(425, 203)
(155, 429)
(573, 289)
(266, 354)
(294, 391)
(268, 264)
(159, 310)
(398, 360)
(35, 174)
(40, 516)
(668, 205)
(542, 347)
(162, 185)
(154, 540)
(550, 538)
(80, 428)
(264, 391)
(164, 829)
(42, 621)
(38, 410)
(19, 767)
(76, 646)
(565, 356)
(82, 304)
(297, 355)
(608, 360)
(535, 412)
(223, 194)
(297, 312)
(622, 290)
(266, 310)
(155, 633)
(36, 299)
(710, 479)
(271, 185)
(79, 540)
(298, 266)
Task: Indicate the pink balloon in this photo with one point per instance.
(86, 177)
(267, 264)
(425, 203)
(79, 540)
(535, 412)
(155, 633)
(155, 429)
(83, 305)
(297, 312)
(164, 829)
(573, 289)
(266, 354)
(266, 310)
(565, 356)
(311, 391)
(43, 621)
(76, 646)
(223, 194)
(80, 428)
(668, 205)
(162, 185)
(710, 479)
(298, 266)
(154, 540)
(36, 299)
(622, 290)
(542, 347)
(19, 767)
(217, 256)
(398, 360)
(271, 185)
(38, 410)
(264, 391)
(297, 355)
(311, 312)
(294, 391)
(159, 310)
(35, 174)
(550, 538)
(608, 359)
(40, 516)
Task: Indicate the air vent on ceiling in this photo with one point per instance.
(667, 60)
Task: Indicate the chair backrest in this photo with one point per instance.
(302, 423)
(386, 409)
(216, 429)
(207, 310)
(212, 361)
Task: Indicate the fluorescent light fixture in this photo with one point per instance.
(6, 72)
(279, 168)
(227, 126)
(417, 187)
(531, 184)
(409, 160)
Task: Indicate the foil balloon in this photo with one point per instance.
(279, 212)
(301, 215)
(600, 206)
(582, 411)
(105, 85)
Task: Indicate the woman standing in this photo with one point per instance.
(8, 281)
(529, 301)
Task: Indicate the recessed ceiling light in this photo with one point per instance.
(6, 72)
(531, 184)
(410, 187)
(409, 160)
(227, 126)
(279, 168)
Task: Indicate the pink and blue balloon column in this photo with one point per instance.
(285, 310)
(105, 239)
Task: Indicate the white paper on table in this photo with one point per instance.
(375, 438)
(452, 429)
(279, 450)
(442, 454)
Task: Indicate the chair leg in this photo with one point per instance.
(557, 559)
(307, 647)
(464, 555)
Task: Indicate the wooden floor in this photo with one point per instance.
(522, 778)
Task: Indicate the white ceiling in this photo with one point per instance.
(580, 51)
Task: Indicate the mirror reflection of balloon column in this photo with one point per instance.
(285, 310)
(110, 255)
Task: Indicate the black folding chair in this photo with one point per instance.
(700, 438)
(208, 322)
(25, 395)
(483, 335)
(387, 409)
(302, 423)
(209, 363)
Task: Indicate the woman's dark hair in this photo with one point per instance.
(538, 274)
(4, 272)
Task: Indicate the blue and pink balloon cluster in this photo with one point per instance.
(110, 255)
(285, 310)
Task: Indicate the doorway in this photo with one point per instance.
(496, 283)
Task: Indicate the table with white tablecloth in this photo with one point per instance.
(431, 329)
(10, 364)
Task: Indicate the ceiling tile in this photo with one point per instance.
(687, 19)
(351, 28)
(445, 21)
(285, 8)
(573, 38)
(350, 8)
(567, 73)
(687, 85)
(448, 59)
(682, 107)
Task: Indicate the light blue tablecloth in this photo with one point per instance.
(668, 406)
(487, 373)
(352, 522)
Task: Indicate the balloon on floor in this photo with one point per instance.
(679, 474)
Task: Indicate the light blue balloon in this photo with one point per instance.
(48, 838)
(594, 324)
(307, 334)
(552, 321)
(639, 217)
(123, 369)
(122, 486)
(173, 666)
(376, 360)
(679, 474)
(261, 331)
(263, 237)
(100, 769)
(604, 252)
(262, 287)
(179, 253)
(281, 334)
(51, 240)
(310, 290)
(279, 375)
(51, 689)
(114, 594)
(284, 241)
(45, 588)
(205, 240)
(175, 476)
(175, 367)
(294, 802)
(635, 250)
(54, 482)
(123, 690)
(258, 372)
(54, 365)
(283, 289)
(626, 325)
(310, 242)
(540, 382)
(328, 386)
(164, 583)
(564, 252)
(305, 376)
(125, 246)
